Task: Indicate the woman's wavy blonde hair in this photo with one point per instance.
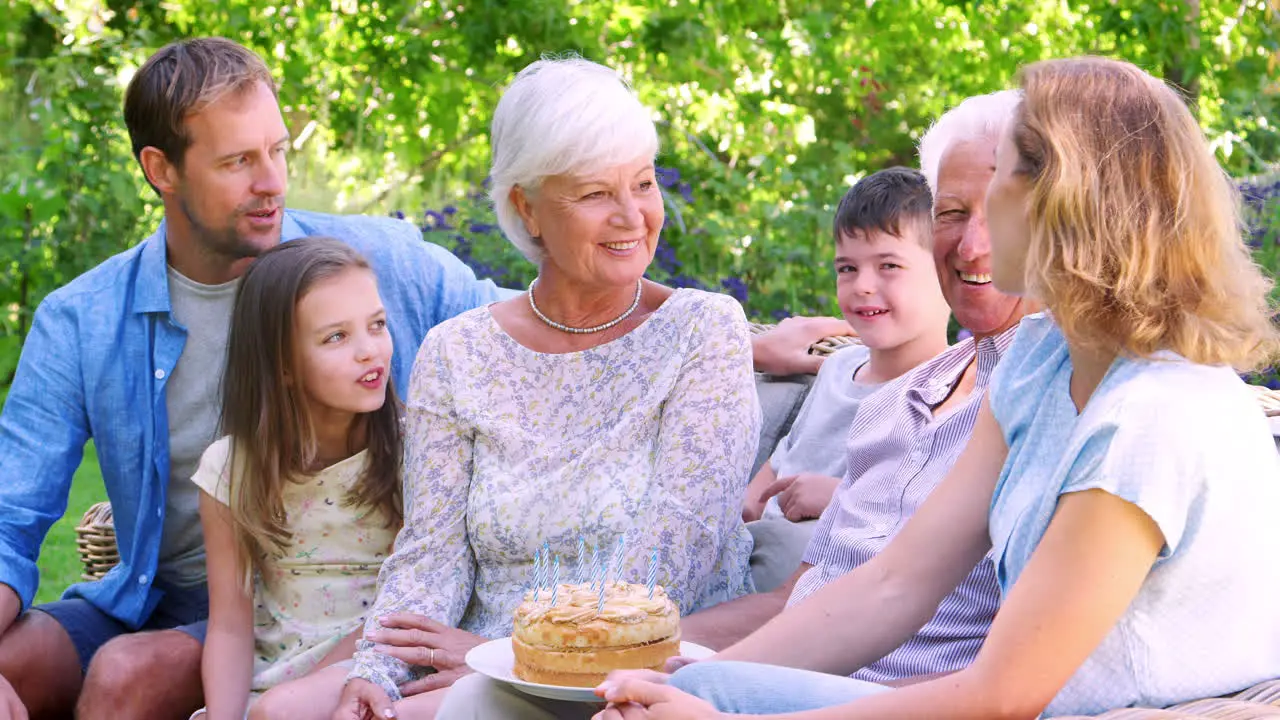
(1136, 240)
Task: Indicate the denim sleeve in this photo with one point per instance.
(43, 429)
(452, 287)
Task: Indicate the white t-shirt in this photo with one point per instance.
(816, 441)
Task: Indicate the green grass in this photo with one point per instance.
(59, 563)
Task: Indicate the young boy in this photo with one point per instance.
(888, 290)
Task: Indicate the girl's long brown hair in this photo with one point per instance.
(1136, 240)
(272, 433)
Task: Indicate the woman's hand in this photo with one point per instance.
(803, 496)
(419, 640)
(362, 700)
(634, 695)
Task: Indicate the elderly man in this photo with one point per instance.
(903, 441)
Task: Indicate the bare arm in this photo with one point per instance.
(1086, 571)
(227, 662)
(10, 607)
(862, 616)
(722, 625)
(753, 501)
(342, 651)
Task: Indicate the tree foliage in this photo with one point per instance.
(767, 109)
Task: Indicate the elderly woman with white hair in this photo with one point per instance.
(598, 408)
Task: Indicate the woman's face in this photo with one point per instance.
(1007, 220)
(598, 229)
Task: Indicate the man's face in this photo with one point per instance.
(230, 189)
(961, 246)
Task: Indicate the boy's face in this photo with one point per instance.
(888, 288)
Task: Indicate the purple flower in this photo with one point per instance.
(686, 192)
(450, 209)
(686, 281)
(432, 220)
(665, 256)
(667, 177)
(481, 228)
(780, 314)
(398, 215)
(736, 288)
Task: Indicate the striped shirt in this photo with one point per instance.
(898, 453)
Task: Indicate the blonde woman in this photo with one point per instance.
(1120, 472)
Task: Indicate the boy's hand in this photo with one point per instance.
(362, 700)
(784, 350)
(803, 496)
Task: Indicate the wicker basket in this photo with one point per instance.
(96, 541)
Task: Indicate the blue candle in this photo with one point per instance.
(555, 585)
(582, 560)
(653, 572)
(537, 573)
(617, 558)
(595, 564)
(600, 607)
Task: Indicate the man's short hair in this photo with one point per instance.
(981, 117)
(180, 79)
(892, 201)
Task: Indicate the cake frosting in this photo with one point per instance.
(576, 642)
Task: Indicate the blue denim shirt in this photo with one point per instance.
(95, 365)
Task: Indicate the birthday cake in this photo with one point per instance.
(566, 636)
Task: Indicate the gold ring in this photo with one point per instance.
(432, 659)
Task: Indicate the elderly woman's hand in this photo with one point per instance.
(784, 350)
(419, 640)
(644, 694)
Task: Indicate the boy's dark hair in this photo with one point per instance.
(182, 78)
(889, 201)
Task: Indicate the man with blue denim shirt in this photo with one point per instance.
(99, 362)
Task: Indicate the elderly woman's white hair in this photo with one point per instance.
(562, 115)
(981, 117)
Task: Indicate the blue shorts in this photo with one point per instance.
(184, 609)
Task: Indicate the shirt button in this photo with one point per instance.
(160, 512)
(159, 374)
(142, 579)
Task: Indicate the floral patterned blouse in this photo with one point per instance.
(318, 591)
(649, 437)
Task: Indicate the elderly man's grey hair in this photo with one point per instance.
(562, 115)
(981, 117)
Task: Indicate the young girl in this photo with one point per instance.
(1121, 473)
(301, 498)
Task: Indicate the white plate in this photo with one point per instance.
(496, 660)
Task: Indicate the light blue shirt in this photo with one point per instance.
(1188, 445)
(95, 365)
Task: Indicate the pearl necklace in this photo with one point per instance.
(635, 303)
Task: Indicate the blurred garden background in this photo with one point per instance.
(767, 110)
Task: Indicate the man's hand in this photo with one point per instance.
(803, 496)
(11, 708)
(784, 350)
(362, 700)
(419, 640)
